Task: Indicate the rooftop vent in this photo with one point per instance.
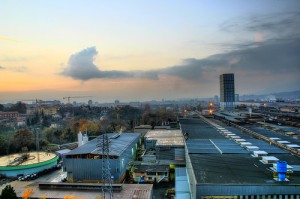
(259, 153)
(283, 142)
(239, 140)
(245, 143)
(252, 148)
(269, 159)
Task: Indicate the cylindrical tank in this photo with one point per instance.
(281, 170)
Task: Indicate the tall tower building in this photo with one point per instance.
(227, 94)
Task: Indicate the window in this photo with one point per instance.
(123, 163)
(151, 173)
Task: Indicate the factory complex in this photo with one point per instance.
(205, 157)
(222, 161)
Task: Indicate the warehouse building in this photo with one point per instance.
(220, 165)
(84, 163)
(167, 144)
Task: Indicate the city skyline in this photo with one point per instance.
(135, 51)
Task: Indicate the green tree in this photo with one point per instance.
(3, 145)
(23, 138)
(8, 193)
(19, 107)
(69, 135)
(1, 107)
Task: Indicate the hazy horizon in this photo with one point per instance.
(139, 51)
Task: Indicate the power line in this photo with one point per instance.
(103, 151)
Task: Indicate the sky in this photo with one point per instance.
(144, 50)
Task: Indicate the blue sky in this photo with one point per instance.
(168, 49)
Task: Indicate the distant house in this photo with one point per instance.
(150, 173)
(21, 121)
(12, 114)
(290, 109)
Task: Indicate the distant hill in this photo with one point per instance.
(280, 95)
(289, 94)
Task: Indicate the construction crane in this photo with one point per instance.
(69, 97)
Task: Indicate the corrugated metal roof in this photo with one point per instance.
(181, 183)
(63, 151)
(213, 146)
(142, 168)
(117, 145)
(166, 137)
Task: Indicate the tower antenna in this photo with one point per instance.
(103, 151)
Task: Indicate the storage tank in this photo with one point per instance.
(15, 164)
(281, 170)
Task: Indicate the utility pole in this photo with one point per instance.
(103, 151)
(37, 142)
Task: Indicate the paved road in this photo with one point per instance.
(160, 189)
(55, 176)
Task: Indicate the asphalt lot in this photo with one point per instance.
(160, 189)
(55, 176)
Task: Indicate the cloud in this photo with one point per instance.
(268, 57)
(275, 25)
(19, 69)
(274, 55)
(14, 59)
(8, 39)
(259, 37)
(81, 67)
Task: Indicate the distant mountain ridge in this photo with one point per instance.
(292, 95)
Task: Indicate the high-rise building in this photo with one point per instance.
(237, 98)
(227, 94)
(216, 99)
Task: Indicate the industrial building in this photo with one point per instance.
(222, 161)
(166, 144)
(227, 91)
(84, 164)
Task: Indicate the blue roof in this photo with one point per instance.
(118, 144)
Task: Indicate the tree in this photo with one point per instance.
(147, 108)
(1, 107)
(19, 106)
(27, 193)
(3, 145)
(23, 138)
(8, 192)
(69, 135)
